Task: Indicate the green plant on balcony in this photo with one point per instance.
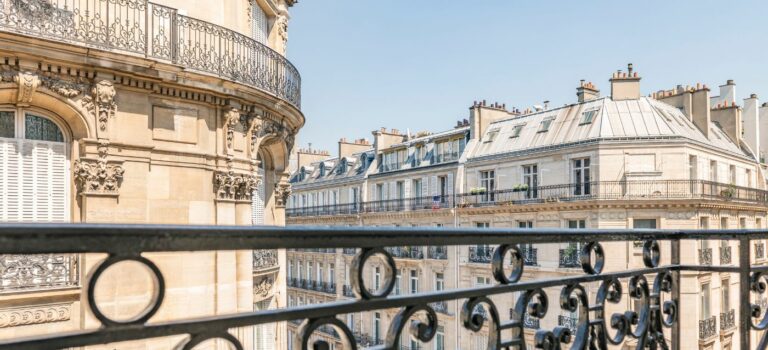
(729, 192)
(478, 190)
(520, 188)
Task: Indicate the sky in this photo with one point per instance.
(419, 65)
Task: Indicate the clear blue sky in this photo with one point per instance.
(420, 64)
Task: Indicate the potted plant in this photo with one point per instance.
(520, 188)
(728, 192)
(477, 190)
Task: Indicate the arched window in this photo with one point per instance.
(34, 168)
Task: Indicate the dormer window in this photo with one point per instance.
(342, 168)
(545, 124)
(588, 116)
(491, 135)
(321, 171)
(516, 130)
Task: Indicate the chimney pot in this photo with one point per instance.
(729, 82)
(753, 96)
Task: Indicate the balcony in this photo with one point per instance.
(347, 291)
(708, 328)
(528, 321)
(725, 255)
(366, 340)
(705, 256)
(480, 254)
(728, 320)
(438, 252)
(665, 305)
(406, 252)
(530, 256)
(671, 190)
(317, 250)
(349, 251)
(568, 322)
(759, 250)
(570, 258)
(441, 307)
(156, 32)
(22, 273)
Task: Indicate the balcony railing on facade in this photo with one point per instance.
(705, 256)
(708, 328)
(528, 321)
(484, 254)
(725, 255)
(602, 190)
(569, 257)
(406, 252)
(146, 29)
(760, 250)
(38, 272)
(728, 320)
(658, 284)
(318, 286)
(438, 252)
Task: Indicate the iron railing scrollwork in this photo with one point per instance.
(155, 31)
(708, 328)
(759, 250)
(653, 289)
(705, 256)
(480, 254)
(438, 252)
(569, 258)
(38, 272)
(725, 255)
(728, 320)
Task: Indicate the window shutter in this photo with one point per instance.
(9, 181)
(407, 189)
(433, 186)
(449, 190)
(424, 187)
(257, 200)
(260, 24)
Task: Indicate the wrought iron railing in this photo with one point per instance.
(264, 259)
(441, 307)
(728, 320)
(481, 254)
(568, 322)
(530, 255)
(656, 286)
(759, 250)
(531, 323)
(347, 291)
(705, 256)
(159, 32)
(438, 252)
(569, 257)
(602, 190)
(38, 272)
(725, 255)
(406, 252)
(708, 328)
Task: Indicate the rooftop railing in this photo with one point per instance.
(656, 286)
(602, 190)
(158, 32)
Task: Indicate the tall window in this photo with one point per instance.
(34, 181)
(394, 160)
(693, 167)
(440, 339)
(443, 180)
(320, 272)
(355, 197)
(531, 180)
(419, 153)
(380, 193)
(376, 327)
(331, 274)
(416, 188)
(400, 189)
(439, 281)
(309, 270)
(398, 282)
(488, 183)
(447, 151)
(298, 269)
(732, 174)
(704, 301)
(581, 177)
(260, 25)
(725, 296)
(713, 171)
(414, 282)
(377, 278)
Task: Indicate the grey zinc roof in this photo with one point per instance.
(641, 118)
(312, 172)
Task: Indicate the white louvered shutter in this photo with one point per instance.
(424, 187)
(34, 178)
(406, 189)
(433, 190)
(260, 24)
(257, 200)
(449, 185)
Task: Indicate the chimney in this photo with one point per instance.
(680, 97)
(751, 117)
(625, 86)
(729, 118)
(347, 149)
(481, 115)
(700, 109)
(587, 91)
(727, 94)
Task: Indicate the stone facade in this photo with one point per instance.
(150, 133)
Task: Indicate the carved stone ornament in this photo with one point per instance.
(282, 30)
(264, 287)
(273, 130)
(13, 317)
(28, 83)
(98, 176)
(64, 88)
(102, 102)
(231, 118)
(282, 193)
(231, 186)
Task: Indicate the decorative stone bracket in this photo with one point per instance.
(98, 176)
(262, 129)
(235, 187)
(101, 102)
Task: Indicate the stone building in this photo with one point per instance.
(676, 159)
(151, 112)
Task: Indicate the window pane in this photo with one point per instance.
(39, 128)
(7, 125)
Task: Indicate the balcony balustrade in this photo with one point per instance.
(157, 32)
(599, 190)
(661, 309)
(20, 273)
(530, 256)
(728, 320)
(708, 328)
(347, 291)
(570, 258)
(705, 256)
(350, 251)
(725, 255)
(568, 322)
(480, 254)
(760, 250)
(406, 252)
(366, 340)
(438, 252)
(264, 259)
(316, 250)
(441, 307)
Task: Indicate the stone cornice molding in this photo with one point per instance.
(23, 316)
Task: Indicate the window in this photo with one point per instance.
(545, 124)
(587, 117)
(398, 282)
(713, 171)
(260, 24)
(704, 225)
(644, 223)
(450, 150)
(400, 193)
(290, 269)
(416, 188)
(531, 181)
(758, 223)
(320, 273)
(516, 130)
(725, 296)
(299, 268)
(488, 184)
(742, 223)
(35, 161)
(439, 281)
(525, 224)
(491, 135)
(693, 167)
(377, 278)
(309, 270)
(331, 274)
(414, 282)
(723, 223)
(581, 176)
(394, 160)
(376, 327)
(380, 192)
(419, 154)
(577, 224)
(439, 339)
(481, 281)
(704, 302)
(748, 175)
(443, 180)
(355, 197)
(732, 174)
